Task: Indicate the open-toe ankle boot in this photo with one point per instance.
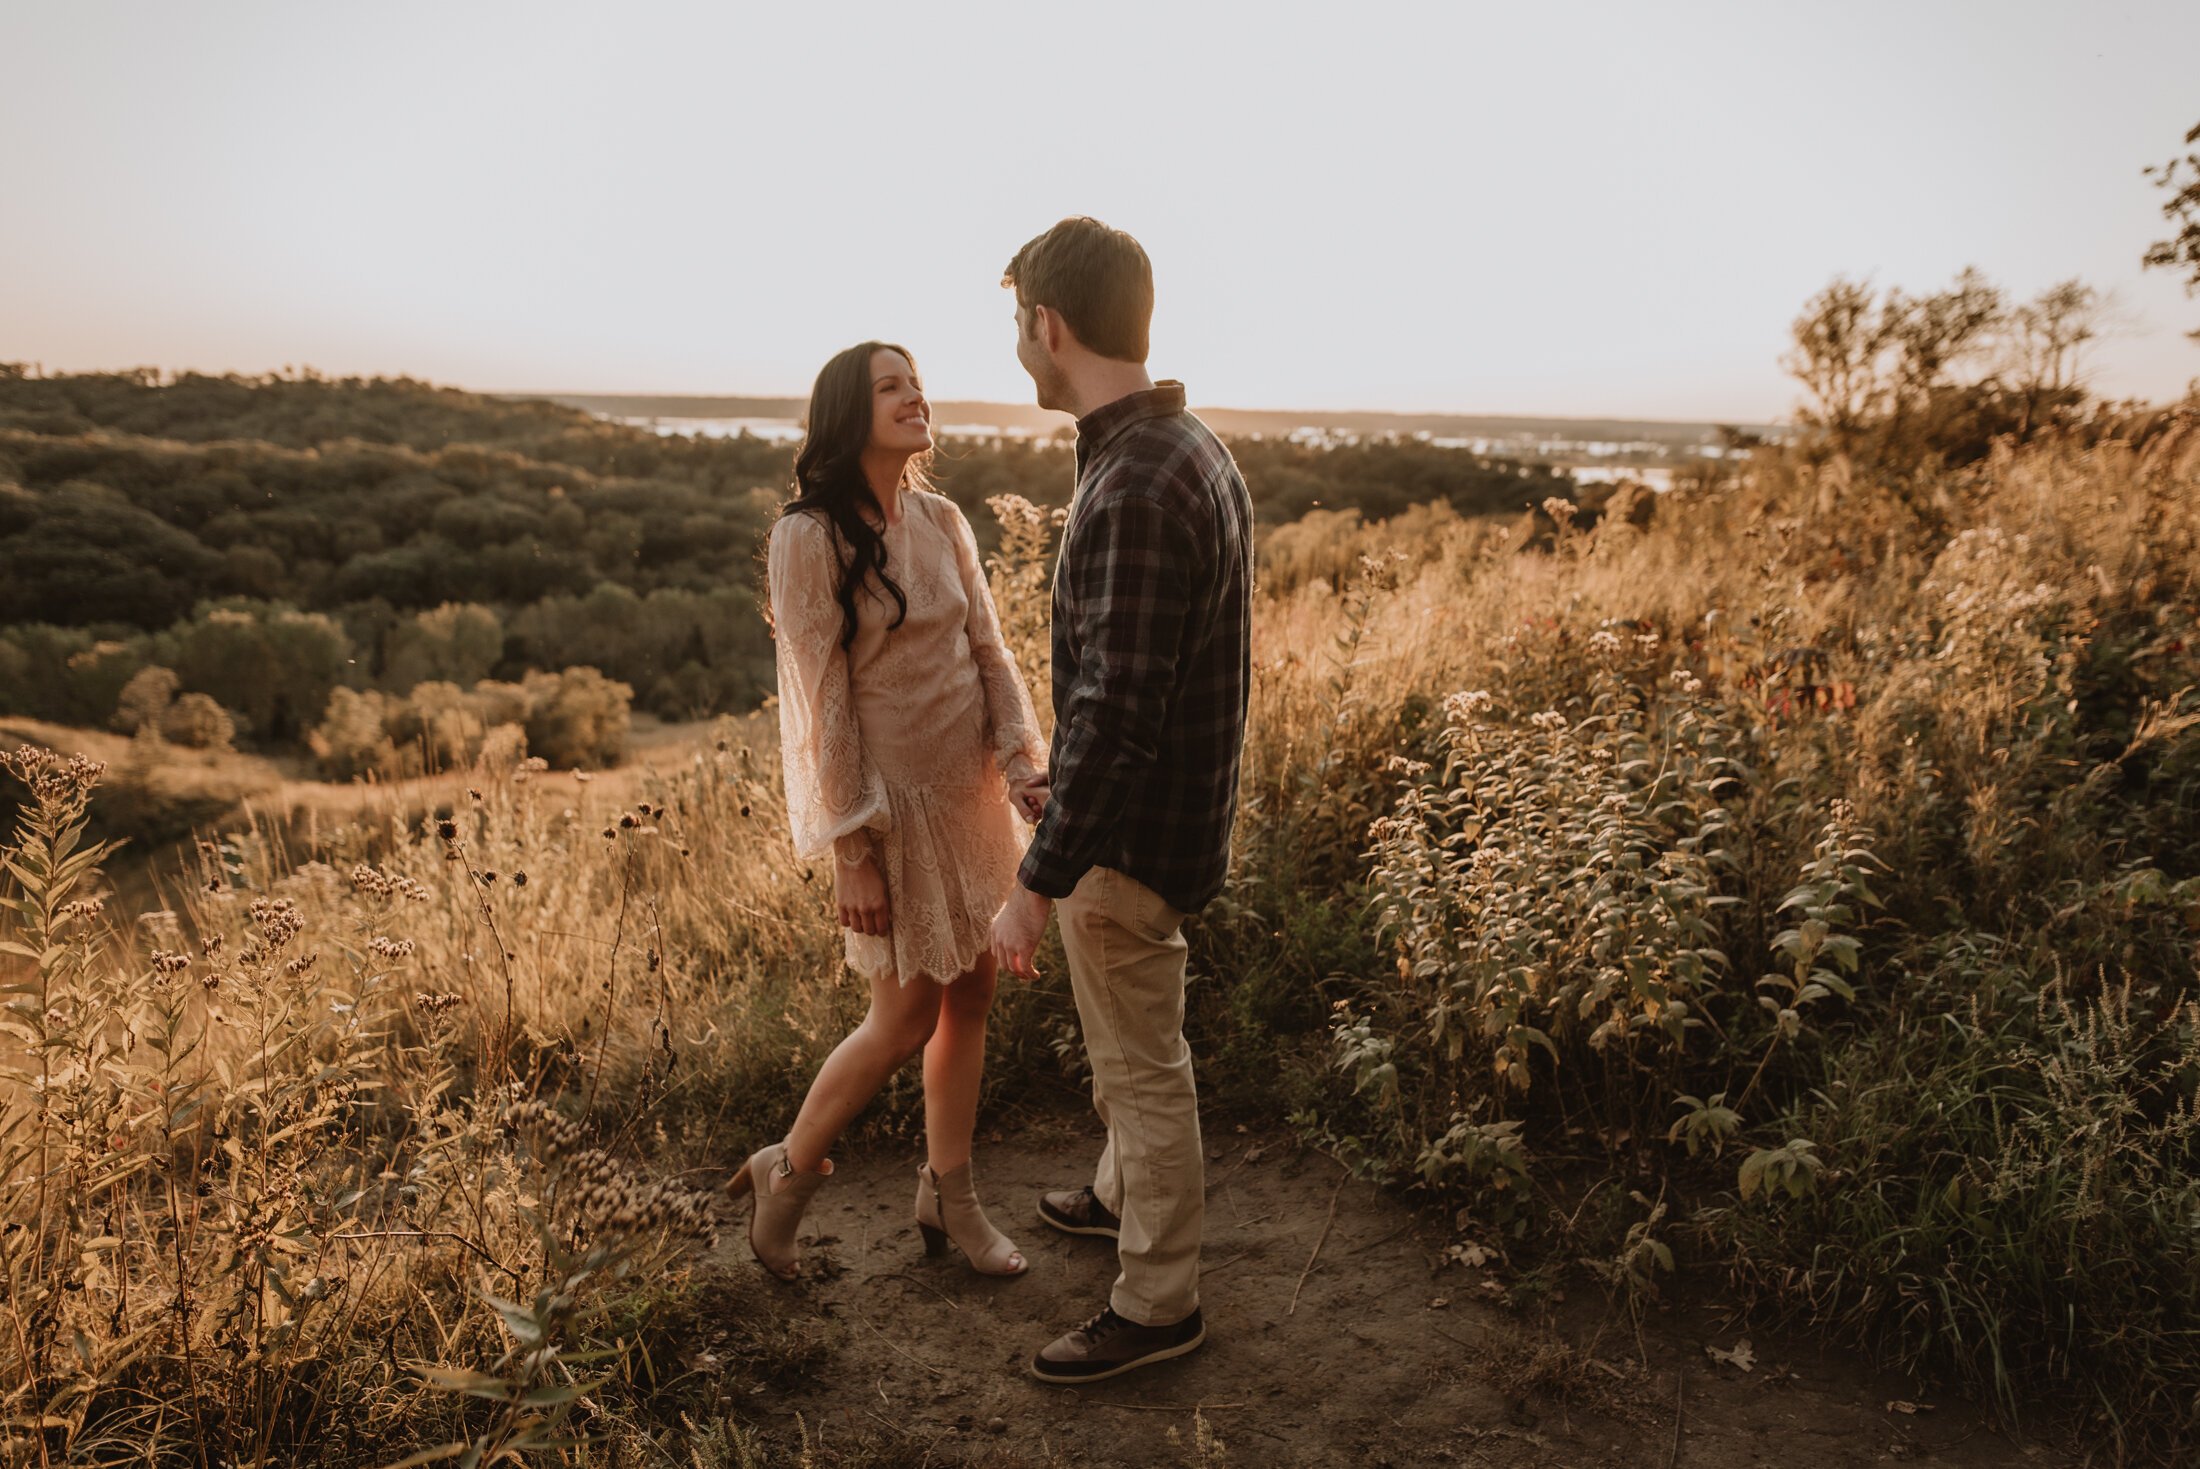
(782, 1195)
(947, 1209)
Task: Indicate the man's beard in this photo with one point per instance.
(1053, 386)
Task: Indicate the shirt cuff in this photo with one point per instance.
(1048, 878)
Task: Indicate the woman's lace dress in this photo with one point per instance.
(904, 738)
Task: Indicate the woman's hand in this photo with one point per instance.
(1030, 796)
(860, 891)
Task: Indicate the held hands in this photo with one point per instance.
(860, 891)
(1030, 796)
(1021, 923)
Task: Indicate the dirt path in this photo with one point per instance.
(1387, 1360)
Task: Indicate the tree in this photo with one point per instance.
(197, 723)
(459, 642)
(2046, 339)
(1935, 334)
(1901, 384)
(577, 717)
(2180, 177)
(272, 665)
(1839, 340)
(351, 740)
(145, 699)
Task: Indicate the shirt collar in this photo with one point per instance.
(1096, 428)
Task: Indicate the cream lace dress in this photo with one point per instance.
(907, 739)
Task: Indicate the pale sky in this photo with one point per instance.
(1518, 208)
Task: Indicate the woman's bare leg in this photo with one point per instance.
(902, 1019)
(954, 1066)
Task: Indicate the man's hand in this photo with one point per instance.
(1030, 796)
(1017, 929)
(860, 893)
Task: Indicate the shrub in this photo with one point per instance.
(577, 717)
(197, 723)
(144, 700)
(352, 740)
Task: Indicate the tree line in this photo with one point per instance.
(269, 540)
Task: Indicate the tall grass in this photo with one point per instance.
(1829, 882)
(1822, 881)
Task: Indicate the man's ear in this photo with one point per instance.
(1050, 327)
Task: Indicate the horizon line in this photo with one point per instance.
(1195, 407)
(296, 370)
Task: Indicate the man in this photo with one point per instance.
(1152, 662)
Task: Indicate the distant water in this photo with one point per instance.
(1561, 455)
(1657, 477)
(778, 430)
(788, 430)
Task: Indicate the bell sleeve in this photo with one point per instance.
(834, 793)
(1011, 720)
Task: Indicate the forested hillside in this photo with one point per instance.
(272, 540)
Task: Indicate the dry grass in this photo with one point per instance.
(378, 1134)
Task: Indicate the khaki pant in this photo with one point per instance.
(1126, 967)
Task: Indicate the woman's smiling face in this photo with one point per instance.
(901, 419)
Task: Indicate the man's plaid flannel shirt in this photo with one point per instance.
(1152, 655)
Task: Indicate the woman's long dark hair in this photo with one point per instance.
(829, 478)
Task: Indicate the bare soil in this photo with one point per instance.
(1391, 1356)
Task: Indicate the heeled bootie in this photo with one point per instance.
(948, 1209)
(782, 1197)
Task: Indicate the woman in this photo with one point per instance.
(905, 732)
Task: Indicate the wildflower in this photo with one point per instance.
(447, 829)
(54, 780)
(279, 920)
(1549, 719)
(389, 948)
(1464, 706)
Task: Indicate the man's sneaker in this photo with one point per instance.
(1108, 1345)
(1079, 1211)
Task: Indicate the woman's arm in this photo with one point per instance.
(835, 798)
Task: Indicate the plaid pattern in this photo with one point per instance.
(1152, 656)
